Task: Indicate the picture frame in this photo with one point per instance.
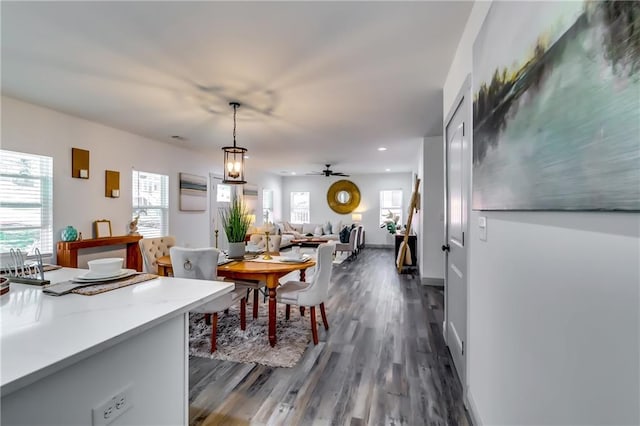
(102, 228)
(193, 192)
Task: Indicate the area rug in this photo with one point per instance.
(252, 345)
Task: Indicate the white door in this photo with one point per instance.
(219, 200)
(457, 155)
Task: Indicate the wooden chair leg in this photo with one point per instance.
(287, 312)
(302, 310)
(255, 303)
(226, 312)
(314, 329)
(243, 314)
(214, 332)
(324, 316)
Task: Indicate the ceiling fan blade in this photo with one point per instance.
(340, 174)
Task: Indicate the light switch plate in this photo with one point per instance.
(482, 224)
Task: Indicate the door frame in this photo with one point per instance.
(464, 93)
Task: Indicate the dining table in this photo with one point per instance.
(256, 269)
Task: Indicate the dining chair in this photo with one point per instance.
(202, 264)
(154, 248)
(313, 293)
(349, 247)
(360, 241)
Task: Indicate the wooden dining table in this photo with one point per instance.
(270, 273)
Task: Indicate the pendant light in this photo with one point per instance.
(234, 156)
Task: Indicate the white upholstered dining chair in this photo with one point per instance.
(154, 248)
(349, 247)
(313, 293)
(202, 264)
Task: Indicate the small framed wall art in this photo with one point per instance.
(193, 193)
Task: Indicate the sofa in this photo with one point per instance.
(291, 231)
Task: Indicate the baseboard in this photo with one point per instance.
(437, 282)
(472, 408)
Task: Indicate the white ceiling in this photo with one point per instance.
(319, 81)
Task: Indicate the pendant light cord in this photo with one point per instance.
(235, 108)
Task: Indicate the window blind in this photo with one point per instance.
(150, 203)
(300, 211)
(390, 200)
(26, 202)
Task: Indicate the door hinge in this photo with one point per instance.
(463, 348)
(463, 239)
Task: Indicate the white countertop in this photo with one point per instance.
(42, 334)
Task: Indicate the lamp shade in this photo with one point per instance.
(356, 217)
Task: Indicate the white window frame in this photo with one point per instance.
(394, 208)
(267, 206)
(300, 214)
(11, 199)
(155, 203)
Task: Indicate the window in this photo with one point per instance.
(151, 203)
(391, 206)
(223, 193)
(267, 205)
(300, 207)
(26, 202)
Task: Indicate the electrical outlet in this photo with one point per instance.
(113, 407)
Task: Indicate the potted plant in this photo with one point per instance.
(235, 222)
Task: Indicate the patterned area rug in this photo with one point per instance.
(252, 345)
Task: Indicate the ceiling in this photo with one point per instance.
(320, 82)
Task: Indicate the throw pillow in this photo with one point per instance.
(288, 227)
(344, 235)
(326, 228)
(318, 231)
(336, 227)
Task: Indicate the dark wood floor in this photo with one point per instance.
(383, 361)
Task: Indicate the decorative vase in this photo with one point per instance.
(236, 250)
(69, 233)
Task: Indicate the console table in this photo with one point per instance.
(67, 253)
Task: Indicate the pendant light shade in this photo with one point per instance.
(234, 156)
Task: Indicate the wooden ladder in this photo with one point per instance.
(413, 206)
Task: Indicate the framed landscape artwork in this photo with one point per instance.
(193, 192)
(556, 109)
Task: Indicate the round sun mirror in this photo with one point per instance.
(343, 196)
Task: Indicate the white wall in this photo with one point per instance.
(553, 307)
(153, 363)
(432, 189)
(33, 129)
(369, 185)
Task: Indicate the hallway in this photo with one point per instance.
(383, 361)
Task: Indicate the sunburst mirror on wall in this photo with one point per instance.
(343, 196)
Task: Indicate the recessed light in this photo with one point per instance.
(293, 173)
(387, 170)
(382, 148)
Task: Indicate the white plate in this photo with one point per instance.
(89, 277)
(300, 259)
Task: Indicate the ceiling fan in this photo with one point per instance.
(328, 172)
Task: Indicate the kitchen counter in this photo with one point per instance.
(41, 334)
